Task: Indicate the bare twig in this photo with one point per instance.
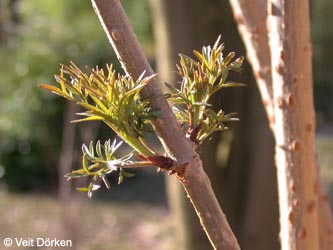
(189, 170)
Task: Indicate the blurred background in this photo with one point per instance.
(38, 144)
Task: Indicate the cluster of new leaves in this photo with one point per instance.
(112, 98)
(99, 162)
(202, 78)
(115, 100)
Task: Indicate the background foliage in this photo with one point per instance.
(43, 35)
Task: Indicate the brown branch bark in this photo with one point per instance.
(251, 17)
(194, 179)
(290, 44)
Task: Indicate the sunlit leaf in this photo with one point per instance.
(85, 163)
(200, 79)
(90, 118)
(120, 178)
(232, 84)
(98, 148)
(54, 90)
(95, 187)
(74, 175)
(106, 182)
(83, 189)
(127, 174)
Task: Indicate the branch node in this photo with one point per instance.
(280, 102)
(180, 170)
(296, 146)
(291, 217)
(296, 203)
(311, 206)
(290, 100)
(115, 36)
(302, 233)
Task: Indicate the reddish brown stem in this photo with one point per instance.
(251, 17)
(194, 179)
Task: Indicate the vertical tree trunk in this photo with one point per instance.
(2, 20)
(66, 160)
(14, 11)
(323, 34)
(291, 51)
(251, 17)
(260, 221)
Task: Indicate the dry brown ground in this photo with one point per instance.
(91, 225)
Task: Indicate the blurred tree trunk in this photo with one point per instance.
(14, 11)
(67, 150)
(69, 154)
(240, 162)
(14, 16)
(9, 19)
(322, 31)
(173, 34)
(66, 160)
(69, 157)
(2, 20)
